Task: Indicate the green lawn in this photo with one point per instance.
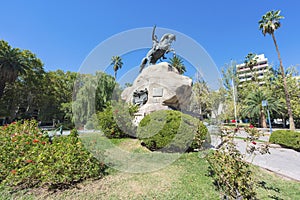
(183, 179)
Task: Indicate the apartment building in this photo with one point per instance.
(245, 74)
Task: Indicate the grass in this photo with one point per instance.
(185, 178)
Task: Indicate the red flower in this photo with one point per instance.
(251, 126)
(43, 142)
(28, 161)
(35, 141)
(253, 142)
(13, 171)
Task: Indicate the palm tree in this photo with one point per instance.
(250, 62)
(13, 62)
(177, 62)
(268, 24)
(116, 62)
(252, 106)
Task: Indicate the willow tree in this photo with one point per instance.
(268, 24)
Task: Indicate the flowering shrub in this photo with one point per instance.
(231, 173)
(28, 158)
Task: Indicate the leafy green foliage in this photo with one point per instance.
(116, 120)
(13, 62)
(287, 138)
(252, 106)
(92, 93)
(231, 174)
(269, 23)
(201, 101)
(171, 131)
(251, 60)
(177, 62)
(21, 74)
(57, 88)
(29, 158)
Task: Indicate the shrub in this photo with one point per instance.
(231, 174)
(92, 123)
(171, 131)
(116, 120)
(286, 138)
(28, 158)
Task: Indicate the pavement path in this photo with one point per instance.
(283, 161)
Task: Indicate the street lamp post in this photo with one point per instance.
(264, 103)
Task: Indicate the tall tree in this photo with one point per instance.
(252, 106)
(251, 60)
(13, 62)
(116, 62)
(200, 102)
(268, 24)
(92, 93)
(177, 62)
(232, 93)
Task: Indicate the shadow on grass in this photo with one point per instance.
(264, 185)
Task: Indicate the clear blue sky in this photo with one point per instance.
(63, 32)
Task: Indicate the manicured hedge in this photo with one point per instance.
(286, 138)
(172, 131)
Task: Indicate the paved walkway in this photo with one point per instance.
(282, 161)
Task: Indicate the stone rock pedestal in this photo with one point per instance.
(167, 89)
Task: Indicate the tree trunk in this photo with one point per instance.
(2, 87)
(263, 119)
(287, 95)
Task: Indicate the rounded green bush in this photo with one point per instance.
(286, 138)
(171, 131)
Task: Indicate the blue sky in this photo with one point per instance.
(63, 33)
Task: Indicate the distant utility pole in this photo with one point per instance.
(233, 91)
(234, 102)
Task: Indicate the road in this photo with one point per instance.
(285, 162)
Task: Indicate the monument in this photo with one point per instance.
(159, 86)
(159, 48)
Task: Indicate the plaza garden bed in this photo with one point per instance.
(186, 178)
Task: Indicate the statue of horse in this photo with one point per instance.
(159, 48)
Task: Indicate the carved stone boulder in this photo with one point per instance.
(166, 89)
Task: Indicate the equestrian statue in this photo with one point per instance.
(159, 49)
